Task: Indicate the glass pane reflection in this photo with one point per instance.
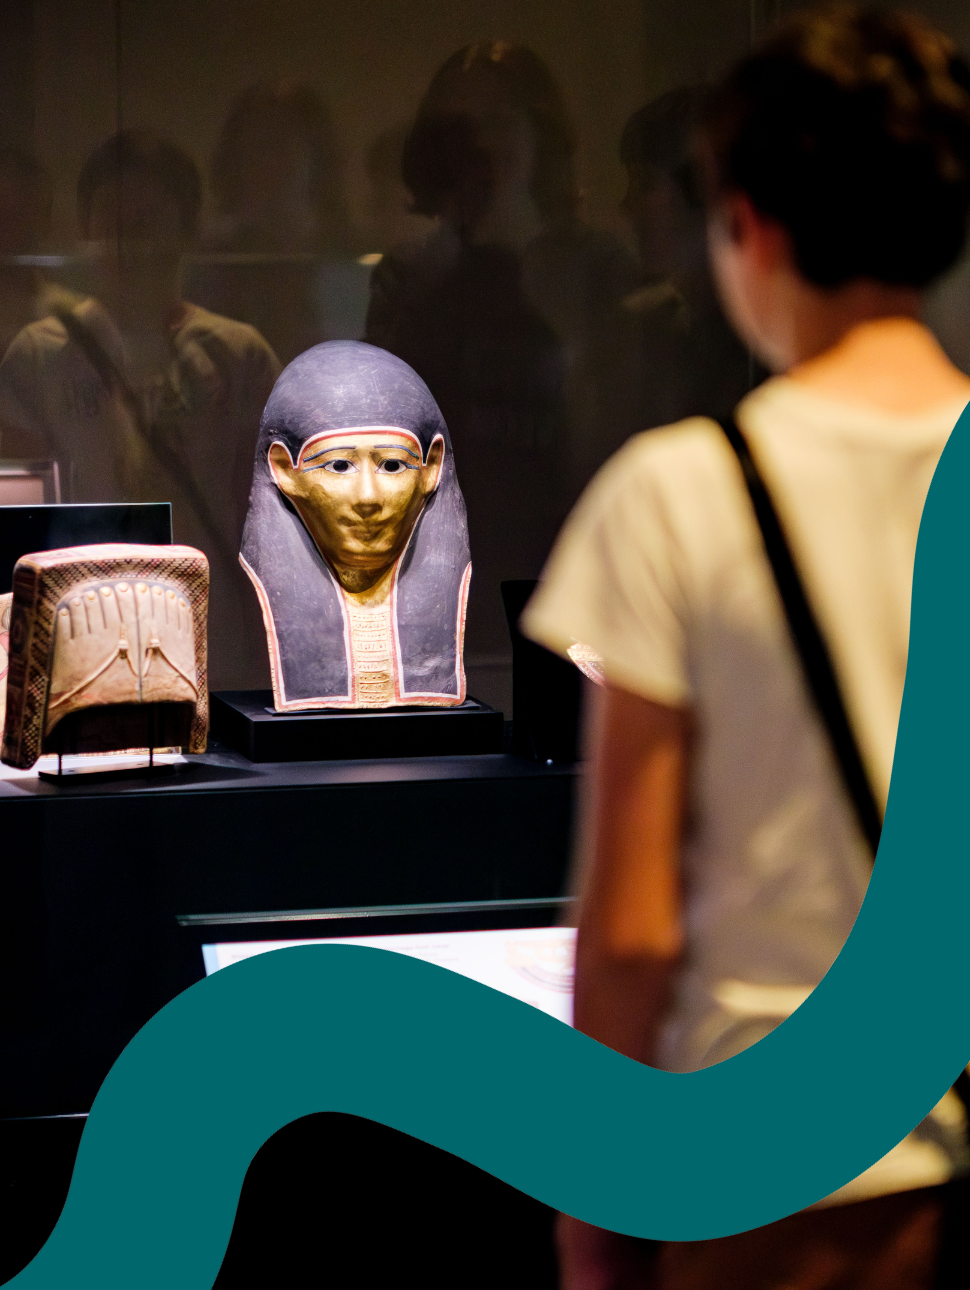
(501, 194)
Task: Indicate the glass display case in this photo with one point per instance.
(496, 192)
(192, 194)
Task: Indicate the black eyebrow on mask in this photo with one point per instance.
(353, 448)
(397, 445)
(346, 447)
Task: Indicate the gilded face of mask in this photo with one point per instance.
(359, 493)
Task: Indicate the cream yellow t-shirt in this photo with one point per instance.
(661, 570)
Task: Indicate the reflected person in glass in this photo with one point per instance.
(391, 218)
(280, 209)
(692, 362)
(277, 174)
(142, 396)
(510, 308)
(26, 293)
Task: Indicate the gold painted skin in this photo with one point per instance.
(360, 495)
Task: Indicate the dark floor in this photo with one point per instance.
(329, 1196)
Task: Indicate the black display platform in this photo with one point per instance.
(102, 900)
(245, 720)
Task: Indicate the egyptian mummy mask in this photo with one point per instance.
(356, 538)
(107, 651)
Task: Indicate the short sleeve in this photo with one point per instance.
(615, 579)
(23, 426)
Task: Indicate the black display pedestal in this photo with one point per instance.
(245, 720)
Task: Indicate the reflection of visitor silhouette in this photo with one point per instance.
(509, 309)
(142, 396)
(278, 186)
(25, 208)
(692, 363)
(391, 218)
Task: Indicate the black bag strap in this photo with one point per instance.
(953, 1259)
(810, 643)
(114, 382)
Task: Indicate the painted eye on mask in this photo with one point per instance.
(393, 466)
(339, 466)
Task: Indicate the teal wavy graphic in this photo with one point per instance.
(411, 1045)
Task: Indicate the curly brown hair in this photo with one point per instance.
(851, 127)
